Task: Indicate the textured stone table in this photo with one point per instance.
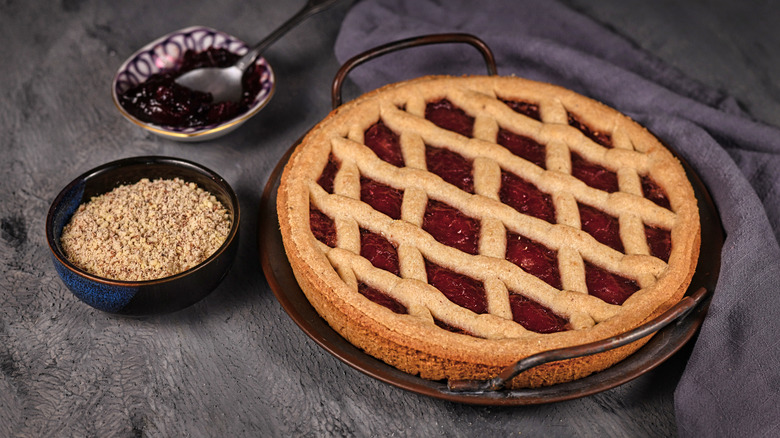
(235, 364)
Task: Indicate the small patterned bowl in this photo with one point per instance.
(166, 53)
(141, 298)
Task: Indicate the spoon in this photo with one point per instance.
(224, 83)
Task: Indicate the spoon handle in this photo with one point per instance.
(310, 8)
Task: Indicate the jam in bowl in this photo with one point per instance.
(145, 92)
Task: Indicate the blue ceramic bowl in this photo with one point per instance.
(166, 53)
(139, 298)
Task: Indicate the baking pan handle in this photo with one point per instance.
(442, 38)
(675, 314)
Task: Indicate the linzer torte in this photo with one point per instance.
(451, 226)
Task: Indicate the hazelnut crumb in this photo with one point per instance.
(145, 231)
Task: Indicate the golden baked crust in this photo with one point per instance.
(412, 342)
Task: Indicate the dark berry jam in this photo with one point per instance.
(603, 227)
(160, 100)
(609, 287)
(593, 174)
(379, 251)
(447, 116)
(534, 258)
(654, 192)
(450, 328)
(385, 143)
(381, 298)
(601, 138)
(523, 147)
(527, 109)
(660, 242)
(458, 288)
(451, 227)
(525, 197)
(323, 227)
(381, 197)
(451, 167)
(329, 174)
(534, 316)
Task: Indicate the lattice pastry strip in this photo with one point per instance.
(476, 206)
(549, 182)
(429, 220)
(349, 214)
(415, 293)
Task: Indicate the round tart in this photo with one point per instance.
(451, 226)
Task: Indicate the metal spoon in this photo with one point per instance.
(225, 83)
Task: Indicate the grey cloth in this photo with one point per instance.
(731, 385)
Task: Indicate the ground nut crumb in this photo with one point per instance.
(145, 231)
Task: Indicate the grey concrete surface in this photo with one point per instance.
(235, 364)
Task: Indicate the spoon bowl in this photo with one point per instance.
(223, 83)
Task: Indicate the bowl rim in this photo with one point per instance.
(146, 159)
(200, 132)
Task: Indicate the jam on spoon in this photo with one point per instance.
(160, 100)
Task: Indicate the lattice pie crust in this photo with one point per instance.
(422, 341)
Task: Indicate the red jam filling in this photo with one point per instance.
(381, 197)
(379, 251)
(447, 116)
(323, 227)
(534, 258)
(329, 174)
(527, 109)
(609, 287)
(450, 328)
(162, 101)
(601, 138)
(451, 227)
(458, 288)
(660, 242)
(593, 175)
(523, 147)
(654, 192)
(381, 298)
(451, 167)
(525, 197)
(534, 316)
(603, 227)
(385, 143)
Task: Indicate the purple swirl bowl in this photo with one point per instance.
(166, 53)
